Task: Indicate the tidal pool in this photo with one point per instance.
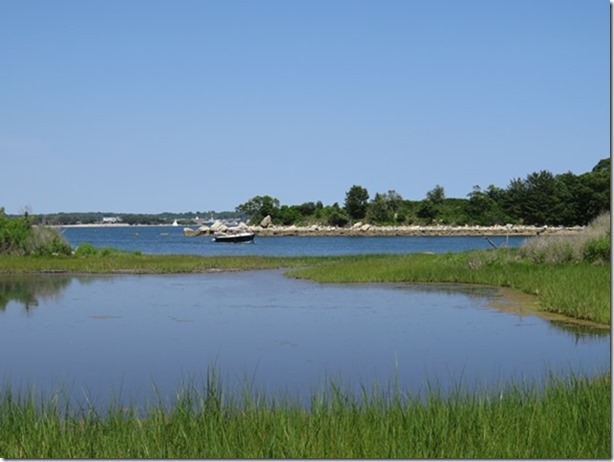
(140, 339)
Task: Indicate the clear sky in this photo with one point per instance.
(195, 105)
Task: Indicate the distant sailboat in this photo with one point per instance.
(175, 223)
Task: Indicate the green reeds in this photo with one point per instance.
(570, 418)
(114, 261)
(579, 290)
(570, 275)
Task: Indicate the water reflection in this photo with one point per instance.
(26, 290)
(146, 334)
(580, 332)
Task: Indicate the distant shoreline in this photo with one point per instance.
(371, 230)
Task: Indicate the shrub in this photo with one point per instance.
(86, 249)
(19, 237)
(338, 218)
(598, 250)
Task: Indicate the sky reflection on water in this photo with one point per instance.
(141, 337)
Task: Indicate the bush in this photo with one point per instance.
(338, 218)
(598, 250)
(86, 249)
(47, 241)
(19, 237)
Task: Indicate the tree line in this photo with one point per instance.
(541, 198)
(165, 218)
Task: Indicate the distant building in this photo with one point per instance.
(111, 220)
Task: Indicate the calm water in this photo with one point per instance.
(139, 338)
(170, 240)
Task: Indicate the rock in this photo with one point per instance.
(189, 232)
(196, 232)
(266, 221)
(218, 227)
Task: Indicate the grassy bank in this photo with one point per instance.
(134, 263)
(570, 275)
(569, 419)
(577, 289)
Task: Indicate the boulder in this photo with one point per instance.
(195, 232)
(218, 227)
(189, 232)
(266, 221)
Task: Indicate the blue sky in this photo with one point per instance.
(179, 105)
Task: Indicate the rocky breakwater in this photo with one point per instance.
(410, 230)
(216, 227)
(266, 228)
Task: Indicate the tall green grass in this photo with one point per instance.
(569, 419)
(570, 275)
(579, 290)
(114, 261)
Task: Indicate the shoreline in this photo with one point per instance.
(360, 229)
(437, 230)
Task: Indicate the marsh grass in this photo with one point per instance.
(570, 275)
(111, 261)
(576, 289)
(592, 245)
(569, 418)
(579, 290)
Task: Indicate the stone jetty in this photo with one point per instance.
(366, 229)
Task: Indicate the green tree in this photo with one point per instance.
(427, 211)
(308, 208)
(598, 181)
(430, 207)
(356, 202)
(515, 195)
(477, 206)
(484, 207)
(288, 215)
(535, 200)
(336, 216)
(574, 197)
(385, 208)
(436, 195)
(259, 207)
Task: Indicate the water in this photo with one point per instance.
(138, 339)
(170, 240)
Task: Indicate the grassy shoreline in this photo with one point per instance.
(579, 290)
(570, 418)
